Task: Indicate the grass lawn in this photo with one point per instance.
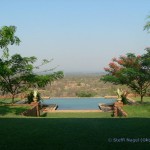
(139, 110)
(12, 111)
(78, 115)
(8, 100)
(74, 133)
(145, 99)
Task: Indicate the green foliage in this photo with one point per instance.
(7, 37)
(43, 80)
(30, 97)
(146, 62)
(124, 99)
(130, 70)
(16, 75)
(85, 94)
(14, 72)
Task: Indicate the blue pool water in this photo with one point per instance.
(78, 103)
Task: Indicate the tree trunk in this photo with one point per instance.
(142, 98)
(13, 97)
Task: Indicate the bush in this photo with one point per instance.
(30, 97)
(85, 94)
(124, 99)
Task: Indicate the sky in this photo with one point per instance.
(79, 35)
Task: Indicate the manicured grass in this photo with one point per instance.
(75, 131)
(74, 134)
(8, 100)
(145, 99)
(12, 111)
(79, 115)
(139, 110)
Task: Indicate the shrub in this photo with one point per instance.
(30, 97)
(85, 94)
(124, 100)
(79, 84)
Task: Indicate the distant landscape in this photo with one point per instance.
(75, 83)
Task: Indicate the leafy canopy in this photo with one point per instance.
(130, 70)
(7, 37)
(14, 72)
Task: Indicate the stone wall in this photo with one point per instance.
(118, 111)
(34, 111)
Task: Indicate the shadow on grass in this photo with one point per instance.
(43, 115)
(4, 110)
(74, 133)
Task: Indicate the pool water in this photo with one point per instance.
(78, 103)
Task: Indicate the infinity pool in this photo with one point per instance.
(78, 103)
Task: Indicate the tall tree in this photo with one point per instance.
(129, 70)
(16, 72)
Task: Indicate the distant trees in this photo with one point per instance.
(130, 70)
(17, 72)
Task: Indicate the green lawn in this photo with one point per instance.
(145, 99)
(8, 100)
(74, 133)
(79, 115)
(139, 110)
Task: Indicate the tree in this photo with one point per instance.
(129, 70)
(7, 37)
(16, 72)
(16, 75)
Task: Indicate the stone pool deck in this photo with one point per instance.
(57, 111)
(50, 108)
